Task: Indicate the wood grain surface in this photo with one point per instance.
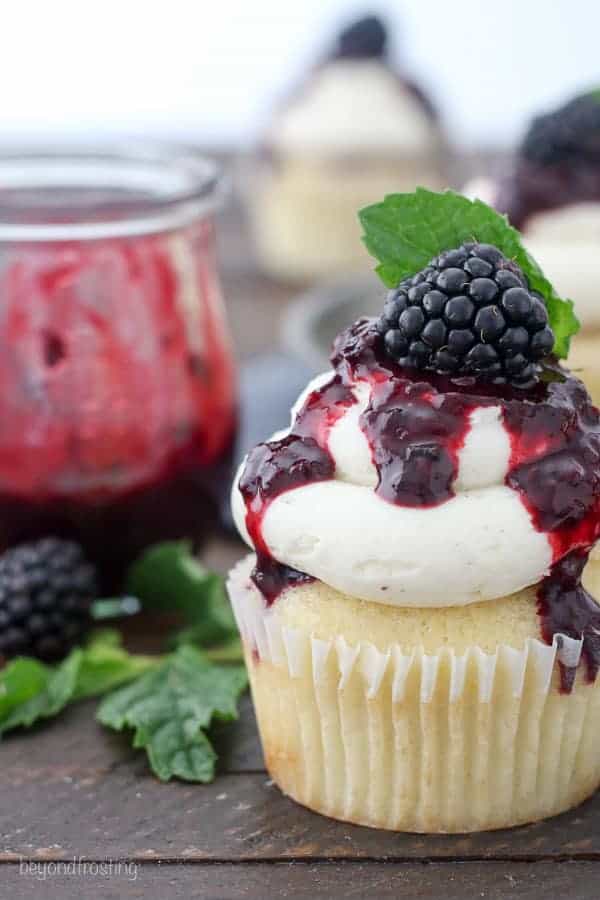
(71, 790)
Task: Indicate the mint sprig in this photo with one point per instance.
(171, 708)
(30, 690)
(405, 231)
(169, 578)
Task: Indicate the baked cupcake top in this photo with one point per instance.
(354, 102)
(448, 457)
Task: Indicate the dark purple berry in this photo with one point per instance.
(506, 279)
(434, 303)
(480, 319)
(364, 39)
(489, 323)
(446, 361)
(420, 353)
(483, 290)
(514, 340)
(568, 136)
(452, 259)
(460, 340)
(478, 268)
(542, 343)
(489, 253)
(452, 280)
(416, 294)
(517, 304)
(435, 333)
(46, 591)
(538, 317)
(396, 343)
(480, 357)
(411, 321)
(459, 312)
(516, 364)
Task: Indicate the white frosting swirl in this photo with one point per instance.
(354, 105)
(566, 244)
(479, 545)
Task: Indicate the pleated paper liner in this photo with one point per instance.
(415, 741)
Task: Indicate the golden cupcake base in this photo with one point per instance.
(399, 737)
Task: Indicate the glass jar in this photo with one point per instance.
(117, 392)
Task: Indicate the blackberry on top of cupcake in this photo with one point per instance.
(471, 311)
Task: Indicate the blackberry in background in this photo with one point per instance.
(570, 134)
(364, 39)
(46, 592)
(469, 312)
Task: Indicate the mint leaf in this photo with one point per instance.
(106, 665)
(21, 680)
(170, 708)
(30, 690)
(405, 231)
(48, 689)
(168, 577)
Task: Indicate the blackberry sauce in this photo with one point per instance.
(299, 458)
(416, 424)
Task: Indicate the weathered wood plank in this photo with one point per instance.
(56, 811)
(453, 881)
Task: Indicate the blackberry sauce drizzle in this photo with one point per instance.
(416, 423)
(299, 458)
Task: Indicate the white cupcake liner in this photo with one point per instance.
(262, 630)
(416, 741)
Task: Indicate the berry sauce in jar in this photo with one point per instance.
(117, 392)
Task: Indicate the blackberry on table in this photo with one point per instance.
(469, 312)
(46, 592)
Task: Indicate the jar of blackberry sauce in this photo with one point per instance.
(117, 388)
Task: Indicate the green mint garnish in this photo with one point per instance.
(30, 690)
(170, 709)
(169, 578)
(405, 231)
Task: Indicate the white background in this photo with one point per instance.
(209, 71)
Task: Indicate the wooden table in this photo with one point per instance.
(71, 789)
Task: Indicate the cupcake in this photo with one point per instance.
(422, 653)
(355, 129)
(552, 194)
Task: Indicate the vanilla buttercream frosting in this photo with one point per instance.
(479, 545)
(350, 106)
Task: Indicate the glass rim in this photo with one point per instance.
(163, 186)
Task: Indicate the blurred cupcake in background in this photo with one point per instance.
(552, 195)
(355, 130)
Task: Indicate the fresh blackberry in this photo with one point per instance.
(46, 593)
(364, 39)
(569, 134)
(469, 312)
